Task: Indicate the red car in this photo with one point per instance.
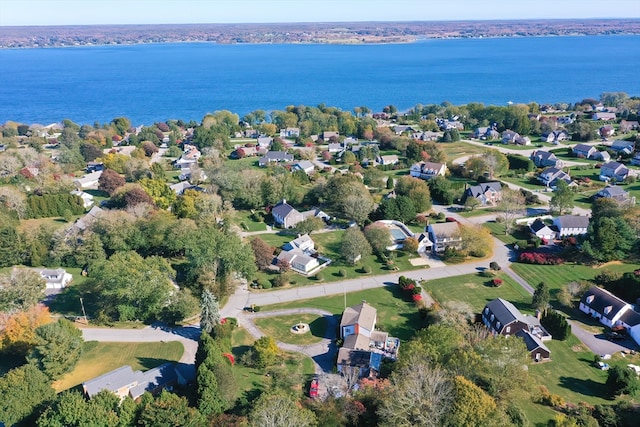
(313, 388)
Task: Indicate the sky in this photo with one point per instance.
(92, 12)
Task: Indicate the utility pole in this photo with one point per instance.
(86, 322)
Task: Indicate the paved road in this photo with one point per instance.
(598, 343)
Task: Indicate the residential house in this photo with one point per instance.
(55, 278)
(624, 147)
(446, 124)
(556, 136)
(428, 170)
(242, 152)
(571, 225)
(603, 156)
(543, 159)
(303, 242)
(603, 305)
(88, 181)
(327, 135)
(523, 140)
(286, 215)
(636, 160)
(613, 171)
(290, 133)
(316, 213)
(444, 235)
(336, 147)
(426, 136)
(613, 192)
(304, 165)
(87, 199)
(124, 381)
(503, 318)
(565, 120)
(627, 126)
(509, 137)
(299, 260)
(181, 187)
(543, 231)
(388, 160)
(364, 347)
(264, 141)
(94, 167)
(274, 157)
(584, 151)
(83, 223)
(551, 176)
(487, 193)
(400, 129)
(606, 131)
(604, 116)
(486, 133)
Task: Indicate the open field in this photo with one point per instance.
(556, 276)
(497, 230)
(279, 327)
(395, 315)
(246, 223)
(101, 357)
(477, 291)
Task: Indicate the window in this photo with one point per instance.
(590, 299)
(508, 329)
(498, 325)
(486, 310)
(492, 317)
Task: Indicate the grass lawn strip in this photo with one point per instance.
(279, 327)
(101, 357)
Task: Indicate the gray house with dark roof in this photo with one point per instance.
(503, 318)
(275, 157)
(124, 381)
(543, 159)
(613, 192)
(286, 215)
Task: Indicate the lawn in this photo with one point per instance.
(477, 291)
(253, 381)
(101, 357)
(395, 315)
(279, 327)
(497, 230)
(328, 244)
(556, 276)
(453, 150)
(244, 221)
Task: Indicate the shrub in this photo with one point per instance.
(265, 284)
(540, 258)
(556, 324)
(342, 272)
(497, 282)
(416, 298)
(255, 308)
(494, 266)
(319, 277)
(366, 269)
(487, 273)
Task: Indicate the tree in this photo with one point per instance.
(58, 348)
(110, 181)
(357, 207)
(562, 200)
(182, 305)
(557, 325)
(410, 244)
(163, 196)
(22, 390)
(19, 334)
(608, 238)
(139, 294)
(266, 351)
(149, 148)
(90, 152)
(169, 409)
(511, 205)
(622, 380)
(354, 246)
(280, 410)
(471, 203)
(419, 395)
(471, 405)
(20, 289)
(263, 253)
(541, 297)
(13, 200)
(416, 190)
(348, 196)
(210, 311)
(476, 240)
(378, 237)
(121, 125)
(309, 225)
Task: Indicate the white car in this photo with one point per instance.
(602, 366)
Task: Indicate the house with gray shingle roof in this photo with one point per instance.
(613, 171)
(571, 225)
(603, 306)
(274, 157)
(487, 193)
(286, 215)
(613, 192)
(542, 159)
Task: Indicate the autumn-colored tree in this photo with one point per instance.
(471, 406)
(18, 331)
(263, 252)
(266, 351)
(410, 244)
(149, 148)
(110, 181)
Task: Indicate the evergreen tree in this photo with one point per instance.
(210, 311)
(541, 297)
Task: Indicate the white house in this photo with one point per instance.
(444, 235)
(603, 306)
(428, 170)
(304, 165)
(89, 180)
(55, 279)
(87, 199)
(571, 225)
(542, 230)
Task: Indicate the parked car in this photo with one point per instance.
(313, 388)
(602, 366)
(615, 336)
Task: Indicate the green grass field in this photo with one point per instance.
(497, 230)
(395, 315)
(556, 276)
(279, 327)
(101, 357)
(246, 223)
(477, 291)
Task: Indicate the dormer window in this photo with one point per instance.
(486, 310)
(498, 325)
(492, 317)
(608, 309)
(590, 299)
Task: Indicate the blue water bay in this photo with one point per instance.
(150, 83)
